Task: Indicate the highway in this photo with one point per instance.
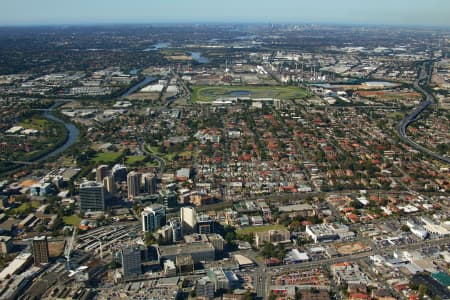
(186, 93)
(413, 116)
(161, 162)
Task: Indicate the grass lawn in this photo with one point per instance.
(249, 230)
(35, 204)
(152, 164)
(107, 157)
(35, 123)
(23, 207)
(186, 153)
(134, 159)
(153, 149)
(170, 156)
(26, 206)
(211, 93)
(73, 220)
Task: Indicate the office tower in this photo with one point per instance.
(109, 184)
(204, 224)
(131, 261)
(188, 219)
(119, 173)
(153, 218)
(177, 233)
(150, 183)
(165, 233)
(40, 250)
(133, 183)
(170, 199)
(101, 173)
(218, 243)
(92, 196)
(205, 288)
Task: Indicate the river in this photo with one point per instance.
(139, 85)
(72, 132)
(157, 46)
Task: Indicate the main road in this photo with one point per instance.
(142, 145)
(413, 116)
(354, 257)
(263, 275)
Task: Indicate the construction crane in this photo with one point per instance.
(69, 249)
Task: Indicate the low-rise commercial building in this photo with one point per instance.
(6, 244)
(272, 236)
(328, 232)
(202, 251)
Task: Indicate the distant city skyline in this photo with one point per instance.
(380, 12)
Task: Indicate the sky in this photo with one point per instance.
(380, 12)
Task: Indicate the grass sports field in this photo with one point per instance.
(211, 93)
(106, 157)
(249, 230)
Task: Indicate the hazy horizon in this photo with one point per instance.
(433, 13)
